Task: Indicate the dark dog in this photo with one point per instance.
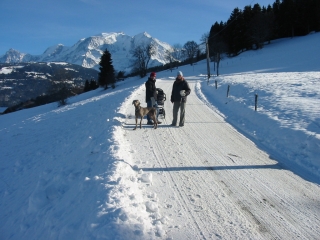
(140, 112)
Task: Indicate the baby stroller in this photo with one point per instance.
(161, 97)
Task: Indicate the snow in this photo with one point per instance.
(70, 69)
(81, 172)
(2, 88)
(36, 75)
(8, 70)
(60, 63)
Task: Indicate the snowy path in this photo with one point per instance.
(211, 182)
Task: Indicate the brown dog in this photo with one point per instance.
(140, 112)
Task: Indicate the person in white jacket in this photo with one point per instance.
(180, 91)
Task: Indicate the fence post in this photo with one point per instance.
(228, 90)
(256, 102)
(208, 59)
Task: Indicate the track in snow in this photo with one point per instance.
(212, 182)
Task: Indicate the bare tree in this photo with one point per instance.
(169, 58)
(204, 37)
(178, 53)
(191, 50)
(216, 48)
(141, 57)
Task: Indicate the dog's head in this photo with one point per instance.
(136, 103)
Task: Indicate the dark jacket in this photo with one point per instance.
(179, 85)
(151, 90)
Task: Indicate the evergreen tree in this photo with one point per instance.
(254, 26)
(234, 32)
(106, 75)
(260, 26)
(217, 45)
(120, 75)
(93, 84)
(216, 40)
(247, 20)
(86, 86)
(316, 16)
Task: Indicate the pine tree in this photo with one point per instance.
(106, 75)
(120, 75)
(86, 86)
(233, 33)
(93, 84)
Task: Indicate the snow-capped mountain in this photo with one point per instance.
(87, 51)
(14, 56)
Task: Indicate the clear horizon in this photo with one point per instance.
(33, 26)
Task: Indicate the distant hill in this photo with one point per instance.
(24, 81)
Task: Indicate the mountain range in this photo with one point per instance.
(87, 51)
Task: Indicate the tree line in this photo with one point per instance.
(246, 29)
(252, 27)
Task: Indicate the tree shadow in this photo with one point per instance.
(211, 168)
(132, 125)
(276, 166)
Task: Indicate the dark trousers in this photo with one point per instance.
(176, 106)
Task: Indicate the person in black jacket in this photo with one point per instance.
(180, 91)
(151, 95)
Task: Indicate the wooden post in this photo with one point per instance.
(217, 60)
(208, 60)
(256, 102)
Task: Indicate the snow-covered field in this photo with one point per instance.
(81, 172)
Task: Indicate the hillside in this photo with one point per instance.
(81, 172)
(24, 81)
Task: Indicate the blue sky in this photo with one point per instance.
(32, 26)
